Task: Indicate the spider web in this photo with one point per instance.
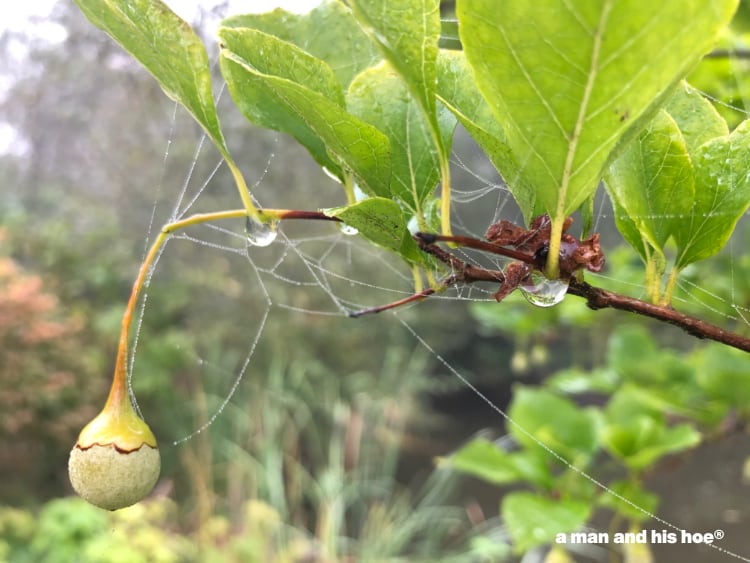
(313, 270)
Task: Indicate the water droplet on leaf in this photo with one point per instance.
(259, 233)
(543, 292)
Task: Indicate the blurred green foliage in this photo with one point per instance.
(319, 455)
(648, 396)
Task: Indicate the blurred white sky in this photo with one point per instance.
(15, 15)
(27, 16)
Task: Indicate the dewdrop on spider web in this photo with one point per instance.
(347, 229)
(260, 233)
(543, 292)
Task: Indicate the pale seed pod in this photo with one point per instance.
(115, 462)
(111, 479)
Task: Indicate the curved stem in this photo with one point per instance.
(250, 208)
(118, 391)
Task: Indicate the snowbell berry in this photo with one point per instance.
(115, 462)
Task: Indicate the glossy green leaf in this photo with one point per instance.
(329, 32)
(277, 85)
(534, 520)
(381, 221)
(629, 231)
(408, 32)
(571, 432)
(458, 91)
(652, 180)
(168, 48)
(567, 80)
(697, 118)
(486, 460)
(722, 195)
(380, 97)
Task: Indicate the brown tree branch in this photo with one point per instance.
(729, 53)
(596, 298)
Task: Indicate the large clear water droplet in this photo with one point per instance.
(542, 292)
(348, 229)
(260, 233)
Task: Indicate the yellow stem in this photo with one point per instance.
(553, 256)
(652, 281)
(118, 423)
(351, 197)
(415, 272)
(666, 299)
(431, 281)
(118, 391)
(242, 188)
(445, 196)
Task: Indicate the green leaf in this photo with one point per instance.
(626, 404)
(329, 32)
(558, 423)
(486, 460)
(629, 230)
(168, 48)
(277, 85)
(458, 91)
(407, 32)
(567, 80)
(534, 520)
(642, 440)
(652, 180)
(381, 221)
(380, 97)
(636, 495)
(722, 195)
(574, 381)
(724, 374)
(697, 118)
(631, 348)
